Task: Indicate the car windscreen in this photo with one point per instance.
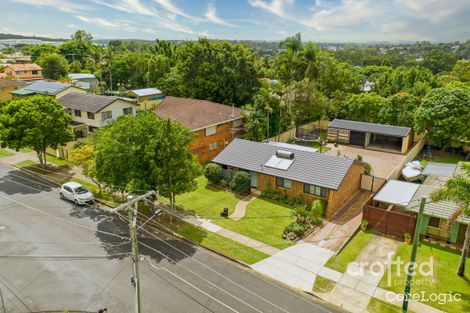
(80, 190)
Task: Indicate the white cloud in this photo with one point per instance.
(106, 23)
(129, 6)
(277, 7)
(169, 6)
(212, 16)
(433, 10)
(61, 5)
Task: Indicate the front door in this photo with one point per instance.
(254, 179)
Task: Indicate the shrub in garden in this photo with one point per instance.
(213, 173)
(241, 183)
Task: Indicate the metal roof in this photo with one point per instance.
(396, 192)
(381, 129)
(292, 146)
(310, 168)
(441, 169)
(87, 102)
(82, 76)
(146, 91)
(439, 209)
(43, 87)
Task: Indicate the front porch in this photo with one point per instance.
(80, 130)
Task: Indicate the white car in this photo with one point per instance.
(77, 193)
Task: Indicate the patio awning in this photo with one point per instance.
(396, 192)
(74, 124)
(441, 169)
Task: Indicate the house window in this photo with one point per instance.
(434, 222)
(91, 115)
(77, 113)
(35, 72)
(283, 182)
(237, 123)
(106, 115)
(210, 130)
(127, 111)
(213, 145)
(315, 190)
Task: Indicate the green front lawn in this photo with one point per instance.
(323, 284)
(5, 153)
(57, 161)
(261, 222)
(214, 241)
(379, 306)
(350, 252)
(443, 280)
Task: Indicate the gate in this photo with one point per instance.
(371, 183)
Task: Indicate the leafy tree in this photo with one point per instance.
(177, 167)
(256, 125)
(462, 70)
(39, 122)
(158, 67)
(457, 190)
(54, 66)
(79, 48)
(37, 51)
(213, 173)
(84, 156)
(364, 107)
(399, 109)
(438, 60)
(218, 71)
(444, 113)
(305, 101)
(415, 80)
(172, 83)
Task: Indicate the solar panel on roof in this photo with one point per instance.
(279, 163)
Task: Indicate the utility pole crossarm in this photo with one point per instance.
(128, 204)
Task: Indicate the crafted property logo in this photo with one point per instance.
(397, 272)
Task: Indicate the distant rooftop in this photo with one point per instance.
(291, 146)
(74, 76)
(381, 129)
(42, 87)
(146, 91)
(25, 67)
(86, 102)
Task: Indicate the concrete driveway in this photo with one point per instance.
(57, 256)
(383, 163)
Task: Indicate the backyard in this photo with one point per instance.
(265, 220)
(442, 281)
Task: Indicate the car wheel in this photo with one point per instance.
(61, 195)
(76, 202)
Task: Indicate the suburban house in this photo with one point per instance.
(57, 90)
(393, 209)
(370, 135)
(9, 85)
(214, 125)
(147, 97)
(90, 112)
(294, 171)
(23, 71)
(85, 81)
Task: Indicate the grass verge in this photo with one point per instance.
(443, 279)
(350, 251)
(323, 285)
(5, 153)
(379, 306)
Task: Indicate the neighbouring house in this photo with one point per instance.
(148, 98)
(370, 135)
(85, 81)
(90, 112)
(29, 71)
(9, 85)
(56, 90)
(298, 173)
(214, 125)
(393, 209)
(24, 59)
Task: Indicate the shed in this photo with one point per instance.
(371, 135)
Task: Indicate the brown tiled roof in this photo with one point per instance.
(196, 114)
(25, 67)
(8, 83)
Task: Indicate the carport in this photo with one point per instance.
(371, 135)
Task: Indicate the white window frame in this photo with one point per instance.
(213, 145)
(104, 115)
(211, 130)
(129, 110)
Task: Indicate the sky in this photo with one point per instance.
(316, 20)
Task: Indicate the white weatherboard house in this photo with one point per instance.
(90, 112)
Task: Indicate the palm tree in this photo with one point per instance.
(457, 190)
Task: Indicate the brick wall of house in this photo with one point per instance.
(223, 136)
(349, 186)
(268, 183)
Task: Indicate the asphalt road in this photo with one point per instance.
(55, 256)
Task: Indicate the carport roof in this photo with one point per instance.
(397, 192)
(440, 169)
(389, 130)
